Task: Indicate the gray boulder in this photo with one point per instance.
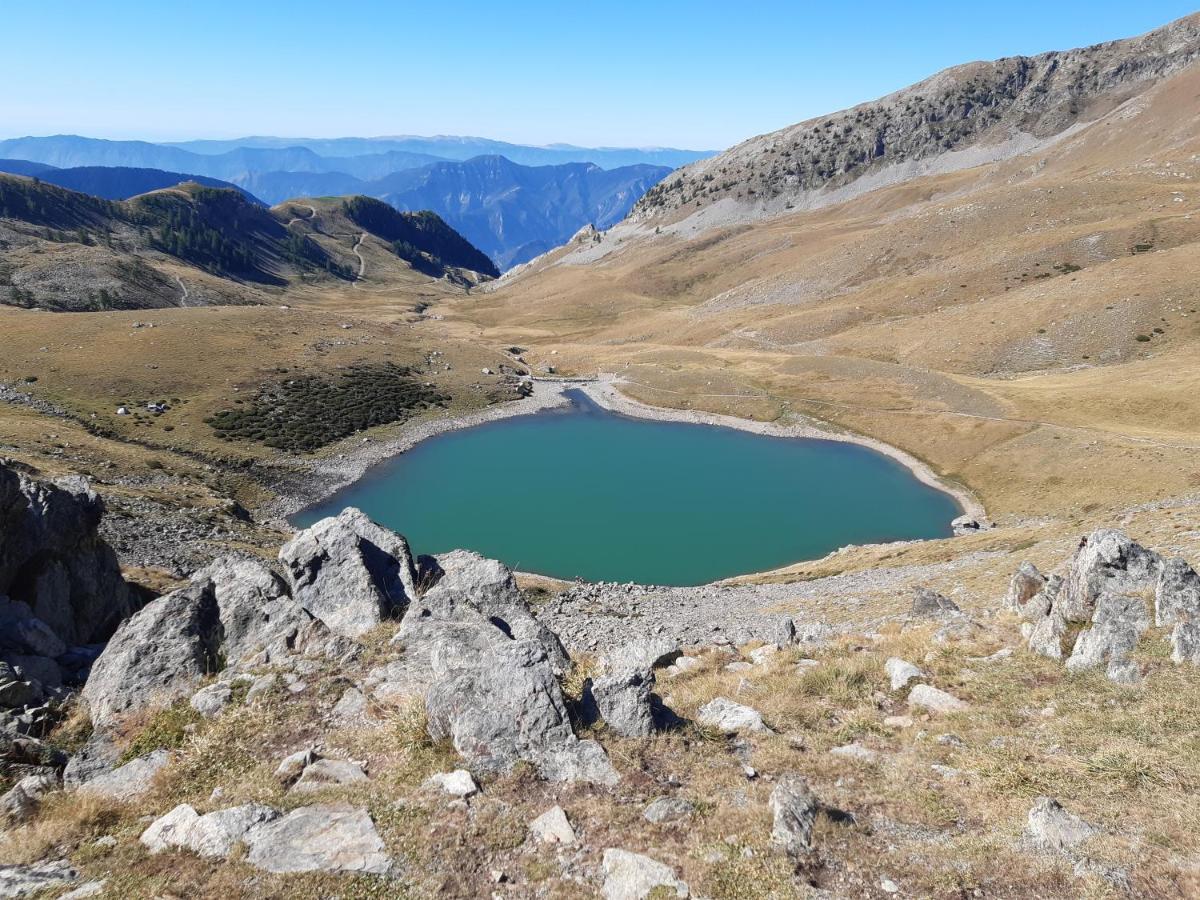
(499, 702)
(25, 881)
(322, 838)
(783, 632)
(729, 717)
(632, 876)
(54, 567)
(1185, 643)
(350, 572)
(326, 773)
(668, 810)
(623, 693)
(794, 807)
(1118, 621)
(130, 781)
(553, 827)
(1107, 561)
(1050, 827)
(1177, 594)
(213, 835)
(22, 799)
(1027, 582)
(930, 604)
(158, 655)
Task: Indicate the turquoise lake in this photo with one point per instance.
(585, 492)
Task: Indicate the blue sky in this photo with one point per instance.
(694, 74)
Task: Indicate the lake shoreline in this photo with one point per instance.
(319, 479)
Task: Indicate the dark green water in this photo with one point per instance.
(585, 492)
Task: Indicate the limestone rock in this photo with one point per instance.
(157, 655)
(499, 701)
(553, 827)
(631, 876)
(668, 810)
(350, 572)
(212, 835)
(293, 765)
(729, 717)
(324, 773)
(131, 780)
(55, 570)
(21, 800)
(856, 751)
(87, 889)
(1107, 561)
(901, 672)
(1027, 582)
(794, 807)
(322, 838)
(1177, 594)
(1185, 643)
(23, 881)
(1052, 828)
(1118, 621)
(458, 783)
(935, 700)
(211, 699)
(623, 693)
(783, 632)
(930, 604)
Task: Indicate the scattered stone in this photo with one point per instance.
(325, 773)
(794, 807)
(21, 881)
(87, 889)
(353, 709)
(783, 633)
(210, 700)
(898, 721)
(293, 765)
(631, 876)
(21, 800)
(935, 700)
(930, 604)
(553, 827)
(856, 751)
(668, 810)
(323, 838)
(212, 835)
(888, 886)
(901, 672)
(458, 783)
(761, 655)
(730, 717)
(1052, 828)
(739, 666)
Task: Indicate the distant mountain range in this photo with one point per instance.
(512, 201)
(113, 182)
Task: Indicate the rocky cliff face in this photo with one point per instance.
(964, 116)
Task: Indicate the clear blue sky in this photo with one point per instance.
(695, 74)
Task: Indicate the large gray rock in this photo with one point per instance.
(632, 876)
(623, 693)
(22, 799)
(130, 781)
(1177, 594)
(262, 624)
(157, 655)
(1185, 643)
(24, 881)
(729, 717)
(1052, 828)
(499, 702)
(1027, 582)
(930, 604)
(54, 567)
(1118, 621)
(213, 835)
(1107, 561)
(323, 838)
(794, 807)
(900, 672)
(350, 572)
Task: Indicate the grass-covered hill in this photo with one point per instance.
(191, 244)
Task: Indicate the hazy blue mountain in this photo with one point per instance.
(512, 212)
(236, 164)
(461, 148)
(23, 167)
(116, 182)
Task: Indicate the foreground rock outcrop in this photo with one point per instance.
(1116, 590)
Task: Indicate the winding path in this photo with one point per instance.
(312, 214)
(362, 263)
(183, 301)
